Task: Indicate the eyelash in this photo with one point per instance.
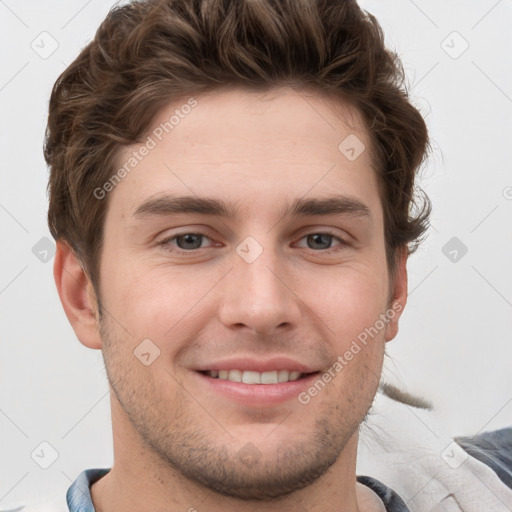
(166, 242)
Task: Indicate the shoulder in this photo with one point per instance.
(410, 450)
(76, 499)
(493, 449)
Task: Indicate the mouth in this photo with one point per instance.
(254, 377)
(249, 388)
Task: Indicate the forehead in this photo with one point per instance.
(242, 122)
(249, 146)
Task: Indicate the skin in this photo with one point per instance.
(179, 444)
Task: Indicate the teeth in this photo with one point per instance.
(251, 377)
(248, 377)
(235, 375)
(269, 378)
(283, 376)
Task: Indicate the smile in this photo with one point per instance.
(252, 377)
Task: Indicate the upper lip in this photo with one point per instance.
(257, 365)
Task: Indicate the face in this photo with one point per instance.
(271, 270)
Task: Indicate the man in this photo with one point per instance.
(231, 187)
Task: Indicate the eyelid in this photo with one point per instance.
(324, 230)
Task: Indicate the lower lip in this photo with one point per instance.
(259, 394)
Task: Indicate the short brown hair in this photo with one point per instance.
(148, 53)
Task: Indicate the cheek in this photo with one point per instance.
(352, 309)
(349, 302)
(160, 303)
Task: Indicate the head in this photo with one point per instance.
(283, 125)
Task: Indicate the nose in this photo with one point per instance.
(258, 295)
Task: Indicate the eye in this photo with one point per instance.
(186, 241)
(193, 241)
(322, 241)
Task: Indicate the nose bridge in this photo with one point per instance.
(257, 294)
(260, 277)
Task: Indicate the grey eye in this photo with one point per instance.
(189, 241)
(319, 241)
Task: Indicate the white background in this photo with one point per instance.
(455, 342)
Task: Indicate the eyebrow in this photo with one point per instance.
(169, 205)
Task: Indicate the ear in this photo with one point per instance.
(398, 294)
(77, 296)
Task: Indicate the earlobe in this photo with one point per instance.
(77, 296)
(399, 295)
